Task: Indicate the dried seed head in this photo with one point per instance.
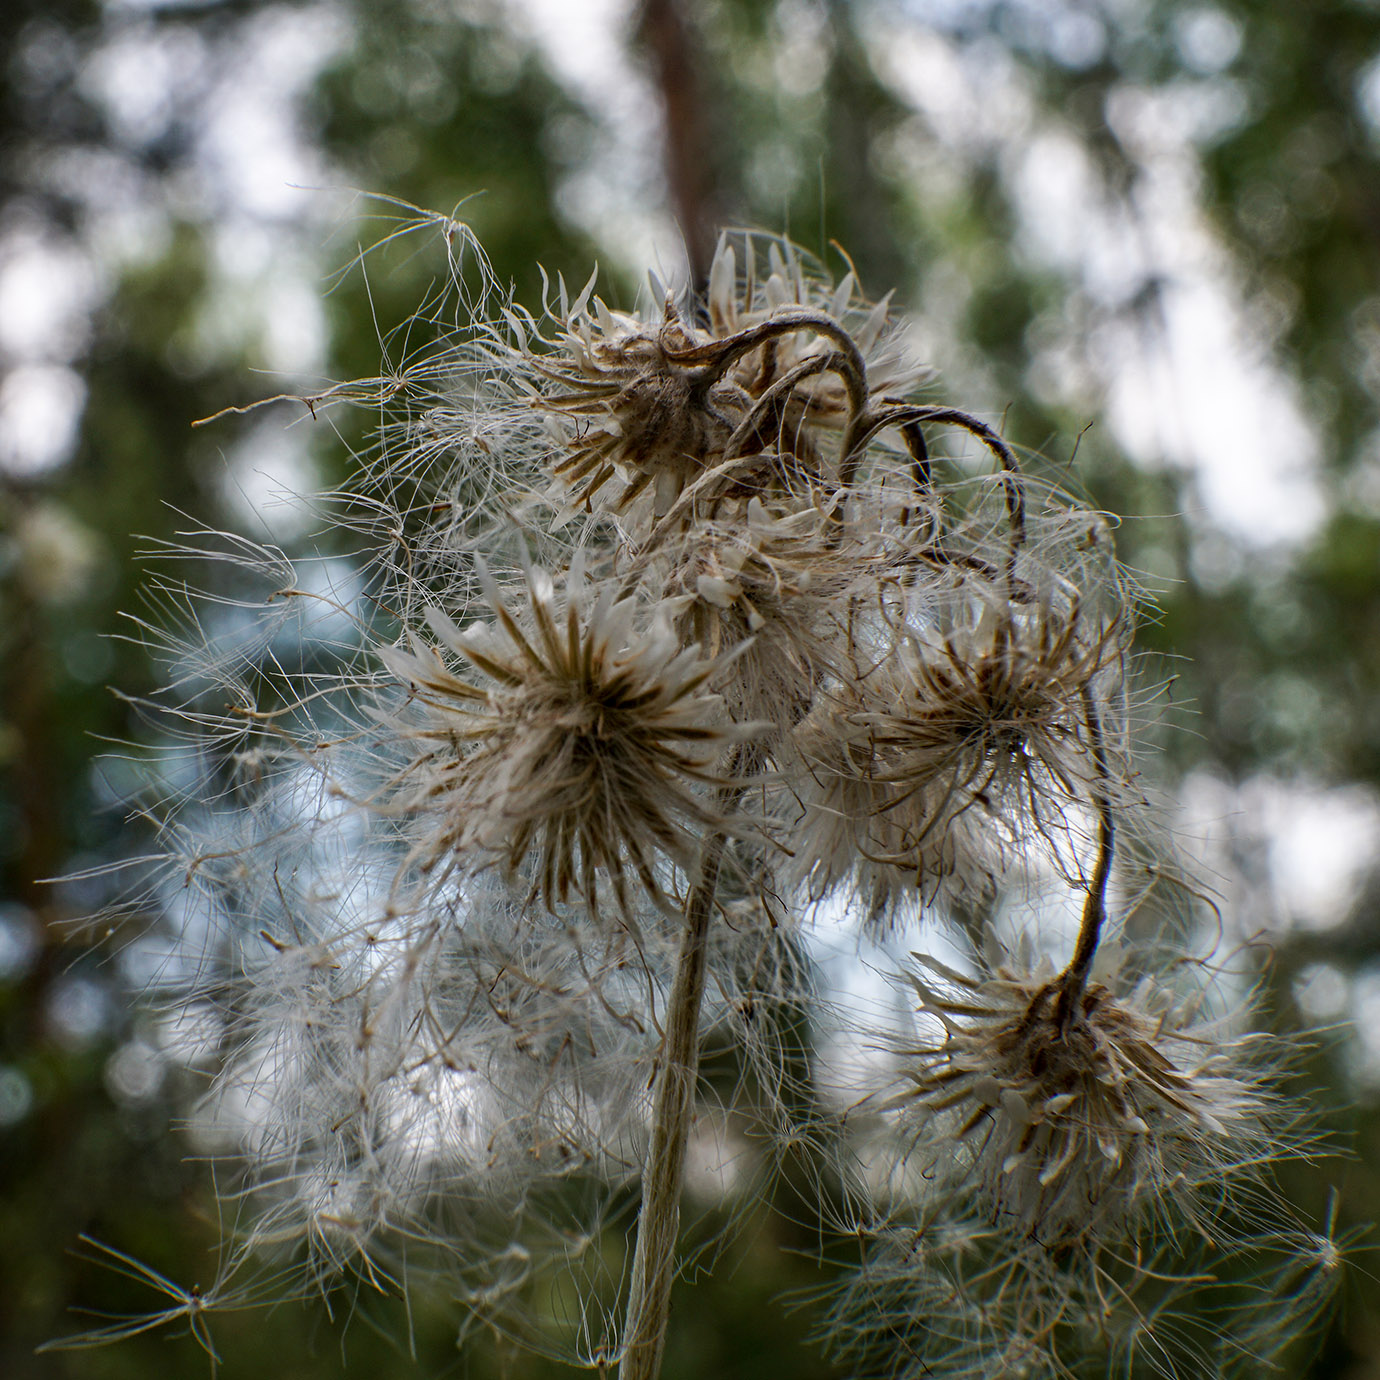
(637, 410)
(739, 409)
(993, 704)
(857, 828)
(745, 292)
(1081, 1117)
(1003, 713)
(980, 731)
(584, 743)
(766, 583)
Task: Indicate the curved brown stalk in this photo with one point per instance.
(719, 356)
(833, 362)
(1075, 977)
(905, 415)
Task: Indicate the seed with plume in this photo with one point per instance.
(584, 743)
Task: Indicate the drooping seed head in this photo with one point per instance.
(746, 406)
(1081, 1114)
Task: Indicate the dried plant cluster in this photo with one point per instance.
(682, 639)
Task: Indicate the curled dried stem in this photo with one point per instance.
(907, 417)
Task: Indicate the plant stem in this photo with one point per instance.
(1075, 976)
(658, 1221)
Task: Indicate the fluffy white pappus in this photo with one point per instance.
(987, 728)
(949, 1297)
(494, 927)
(769, 585)
(583, 740)
(373, 1082)
(856, 833)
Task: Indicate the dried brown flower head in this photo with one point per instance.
(1081, 1111)
(638, 408)
(585, 743)
(734, 410)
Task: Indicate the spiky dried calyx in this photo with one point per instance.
(586, 744)
(1083, 1112)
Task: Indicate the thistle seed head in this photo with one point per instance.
(974, 732)
(577, 739)
(998, 713)
(636, 410)
(734, 410)
(1082, 1113)
(810, 637)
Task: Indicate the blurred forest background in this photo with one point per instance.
(1145, 234)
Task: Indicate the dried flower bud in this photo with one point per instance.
(731, 411)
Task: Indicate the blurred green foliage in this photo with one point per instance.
(803, 128)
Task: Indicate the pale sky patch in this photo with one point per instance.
(1184, 376)
(619, 196)
(47, 291)
(1291, 853)
(40, 415)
